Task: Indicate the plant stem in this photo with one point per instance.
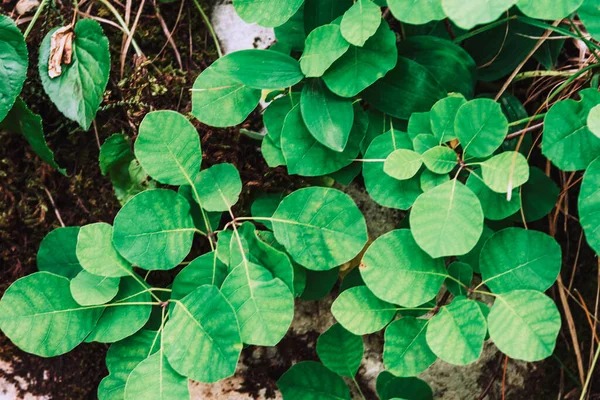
(483, 29)
(210, 28)
(538, 74)
(590, 374)
(37, 14)
(358, 388)
(526, 120)
(114, 11)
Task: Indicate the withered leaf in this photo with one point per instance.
(61, 50)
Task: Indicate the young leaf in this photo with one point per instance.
(443, 114)
(361, 22)
(505, 171)
(589, 205)
(96, 253)
(447, 220)
(309, 380)
(38, 314)
(275, 114)
(340, 350)
(218, 187)
(475, 12)
(417, 12)
(57, 252)
(320, 228)
(360, 312)
(593, 120)
(481, 127)
(268, 13)
(204, 270)
(323, 46)
(461, 272)
(159, 220)
(402, 164)
(212, 346)
(417, 277)
(457, 332)
(548, 9)
(78, 91)
(14, 59)
(89, 290)
(524, 324)
(405, 350)
(440, 159)
(155, 379)
(168, 147)
(390, 387)
(494, 205)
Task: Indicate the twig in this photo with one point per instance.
(129, 37)
(116, 14)
(168, 34)
(37, 14)
(210, 28)
(60, 220)
(522, 131)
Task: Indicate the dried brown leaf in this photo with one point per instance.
(61, 50)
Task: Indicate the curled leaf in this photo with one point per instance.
(61, 50)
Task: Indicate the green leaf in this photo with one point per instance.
(38, 314)
(472, 257)
(340, 350)
(155, 379)
(320, 228)
(567, 140)
(272, 153)
(495, 206)
(96, 253)
(21, 120)
(264, 305)
(360, 312)
(539, 195)
(89, 290)
(424, 142)
(383, 189)
(292, 33)
(519, 259)
(402, 164)
(390, 387)
(204, 270)
(309, 380)
(443, 116)
(264, 206)
(114, 151)
(457, 332)
(524, 325)
(461, 272)
(428, 180)
(327, 116)
(218, 187)
(14, 59)
(475, 12)
(593, 120)
(78, 91)
(129, 179)
(419, 123)
(548, 9)
(417, 277)
(447, 220)
(323, 46)
(205, 221)
(212, 342)
(440, 159)
(417, 12)
(589, 205)
(159, 220)
(275, 114)
(405, 350)
(123, 320)
(269, 13)
(360, 67)
(589, 14)
(361, 22)
(481, 127)
(505, 171)
(321, 12)
(168, 148)
(319, 283)
(57, 252)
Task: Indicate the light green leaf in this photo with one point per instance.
(589, 14)
(218, 187)
(457, 332)
(212, 342)
(89, 290)
(417, 12)
(14, 59)
(447, 220)
(361, 22)
(360, 312)
(340, 350)
(390, 387)
(158, 220)
(275, 114)
(309, 380)
(57, 252)
(505, 171)
(481, 127)
(519, 259)
(428, 180)
(155, 379)
(417, 277)
(96, 253)
(548, 9)
(475, 12)
(269, 13)
(38, 314)
(419, 123)
(272, 153)
(494, 205)
(443, 116)
(593, 121)
(524, 325)
(323, 46)
(402, 164)
(168, 148)
(204, 270)
(78, 91)
(589, 205)
(320, 228)
(440, 159)
(405, 350)
(461, 272)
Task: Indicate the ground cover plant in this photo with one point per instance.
(402, 96)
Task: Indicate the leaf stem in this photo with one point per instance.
(210, 28)
(590, 374)
(358, 388)
(36, 16)
(116, 14)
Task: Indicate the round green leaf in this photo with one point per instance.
(78, 91)
(447, 220)
(457, 332)
(589, 205)
(462, 273)
(440, 159)
(519, 259)
(168, 148)
(539, 195)
(360, 312)
(443, 114)
(419, 123)
(417, 12)
(548, 9)
(402, 164)
(204, 270)
(360, 22)
(327, 116)
(495, 206)
(324, 45)
(14, 59)
(309, 380)
(96, 253)
(588, 14)
(268, 13)
(88, 289)
(398, 271)
(524, 324)
(154, 379)
(505, 171)
(340, 351)
(390, 387)
(475, 12)
(424, 142)
(57, 252)
(154, 230)
(481, 127)
(218, 187)
(429, 180)
(38, 314)
(405, 350)
(212, 342)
